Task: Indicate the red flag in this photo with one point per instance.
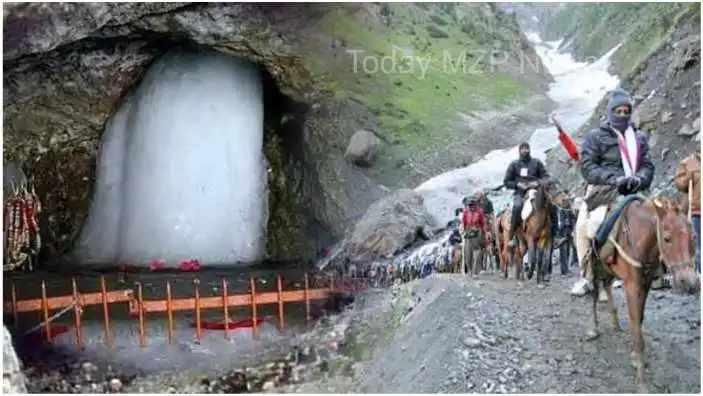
(567, 141)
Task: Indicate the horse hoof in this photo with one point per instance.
(541, 286)
(592, 335)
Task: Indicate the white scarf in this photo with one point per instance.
(629, 151)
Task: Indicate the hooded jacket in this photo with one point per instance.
(601, 163)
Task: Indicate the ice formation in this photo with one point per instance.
(181, 171)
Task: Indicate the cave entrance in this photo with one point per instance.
(285, 221)
(196, 158)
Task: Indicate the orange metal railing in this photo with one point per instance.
(140, 307)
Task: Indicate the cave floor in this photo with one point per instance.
(184, 352)
(27, 286)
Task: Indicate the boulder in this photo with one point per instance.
(647, 112)
(389, 225)
(13, 380)
(687, 53)
(362, 148)
(687, 130)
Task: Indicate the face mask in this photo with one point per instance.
(617, 119)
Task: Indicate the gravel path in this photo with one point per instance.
(497, 336)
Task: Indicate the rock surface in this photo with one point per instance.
(13, 379)
(362, 148)
(67, 66)
(388, 226)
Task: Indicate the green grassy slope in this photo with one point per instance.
(416, 105)
(596, 28)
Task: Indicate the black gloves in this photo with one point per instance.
(621, 183)
(628, 185)
(634, 184)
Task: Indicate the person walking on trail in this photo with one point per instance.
(614, 161)
(565, 220)
(488, 210)
(688, 181)
(522, 175)
(476, 232)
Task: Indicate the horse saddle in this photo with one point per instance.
(527, 204)
(611, 225)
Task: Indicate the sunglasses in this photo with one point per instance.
(622, 110)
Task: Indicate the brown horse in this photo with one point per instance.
(536, 231)
(651, 231)
(513, 256)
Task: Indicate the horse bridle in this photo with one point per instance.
(631, 243)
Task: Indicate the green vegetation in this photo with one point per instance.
(596, 28)
(434, 67)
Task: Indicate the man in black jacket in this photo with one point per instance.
(565, 220)
(522, 175)
(614, 161)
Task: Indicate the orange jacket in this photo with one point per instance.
(689, 170)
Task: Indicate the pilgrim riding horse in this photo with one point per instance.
(635, 237)
(536, 229)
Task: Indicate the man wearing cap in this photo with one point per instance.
(614, 161)
(522, 175)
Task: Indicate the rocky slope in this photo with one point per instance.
(67, 66)
(666, 85)
(590, 30)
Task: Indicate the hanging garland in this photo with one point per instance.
(20, 226)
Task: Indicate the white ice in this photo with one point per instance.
(181, 171)
(577, 89)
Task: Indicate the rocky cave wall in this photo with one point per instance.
(68, 65)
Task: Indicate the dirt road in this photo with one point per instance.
(497, 336)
